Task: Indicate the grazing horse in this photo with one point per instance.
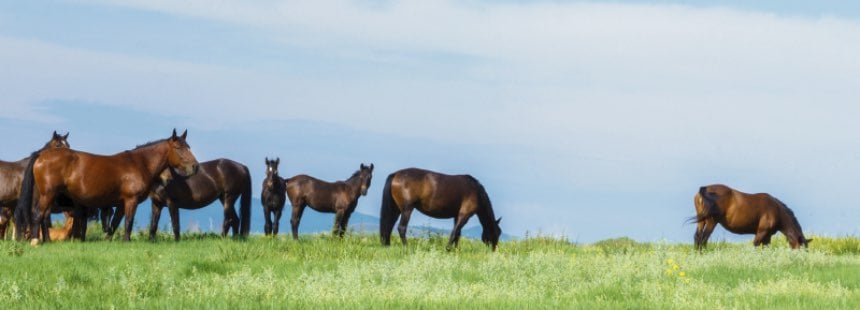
(273, 196)
(123, 179)
(220, 179)
(440, 196)
(742, 213)
(11, 175)
(339, 197)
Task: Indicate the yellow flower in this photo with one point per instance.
(675, 267)
(669, 272)
(682, 274)
(670, 261)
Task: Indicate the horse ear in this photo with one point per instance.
(267, 161)
(55, 134)
(184, 134)
(66, 136)
(173, 136)
(498, 220)
(371, 166)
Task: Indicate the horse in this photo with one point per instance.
(741, 213)
(273, 196)
(339, 197)
(96, 181)
(221, 179)
(11, 175)
(439, 196)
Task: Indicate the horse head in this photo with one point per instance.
(491, 235)
(58, 141)
(365, 175)
(271, 172)
(179, 157)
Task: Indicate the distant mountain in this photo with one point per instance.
(209, 219)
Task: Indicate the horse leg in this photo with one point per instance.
(105, 214)
(130, 210)
(338, 218)
(762, 237)
(404, 223)
(174, 219)
(277, 223)
(153, 222)
(38, 229)
(229, 203)
(114, 223)
(697, 237)
(344, 222)
(79, 223)
(267, 217)
(459, 222)
(5, 215)
(298, 210)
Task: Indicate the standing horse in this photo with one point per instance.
(11, 175)
(742, 213)
(440, 196)
(339, 197)
(273, 196)
(90, 180)
(220, 179)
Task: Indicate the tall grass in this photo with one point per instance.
(205, 271)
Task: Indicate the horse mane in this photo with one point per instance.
(485, 214)
(150, 143)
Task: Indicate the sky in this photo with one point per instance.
(583, 119)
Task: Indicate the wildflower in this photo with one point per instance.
(682, 274)
(669, 272)
(670, 261)
(675, 267)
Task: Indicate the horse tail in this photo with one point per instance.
(708, 206)
(24, 209)
(245, 207)
(387, 213)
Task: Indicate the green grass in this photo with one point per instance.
(205, 271)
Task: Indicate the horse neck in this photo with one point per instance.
(791, 228)
(354, 184)
(152, 157)
(275, 182)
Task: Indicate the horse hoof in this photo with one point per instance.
(34, 242)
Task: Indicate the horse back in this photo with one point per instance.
(435, 194)
(11, 174)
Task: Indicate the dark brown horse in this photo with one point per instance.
(339, 197)
(742, 213)
(273, 196)
(440, 196)
(123, 179)
(220, 179)
(11, 175)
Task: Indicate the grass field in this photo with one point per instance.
(205, 271)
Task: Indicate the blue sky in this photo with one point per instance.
(585, 119)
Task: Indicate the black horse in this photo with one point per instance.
(339, 197)
(273, 196)
(220, 179)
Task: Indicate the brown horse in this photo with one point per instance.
(339, 197)
(220, 179)
(742, 213)
(11, 175)
(440, 196)
(90, 180)
(273, 196)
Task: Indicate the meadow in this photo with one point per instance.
(318, 271)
